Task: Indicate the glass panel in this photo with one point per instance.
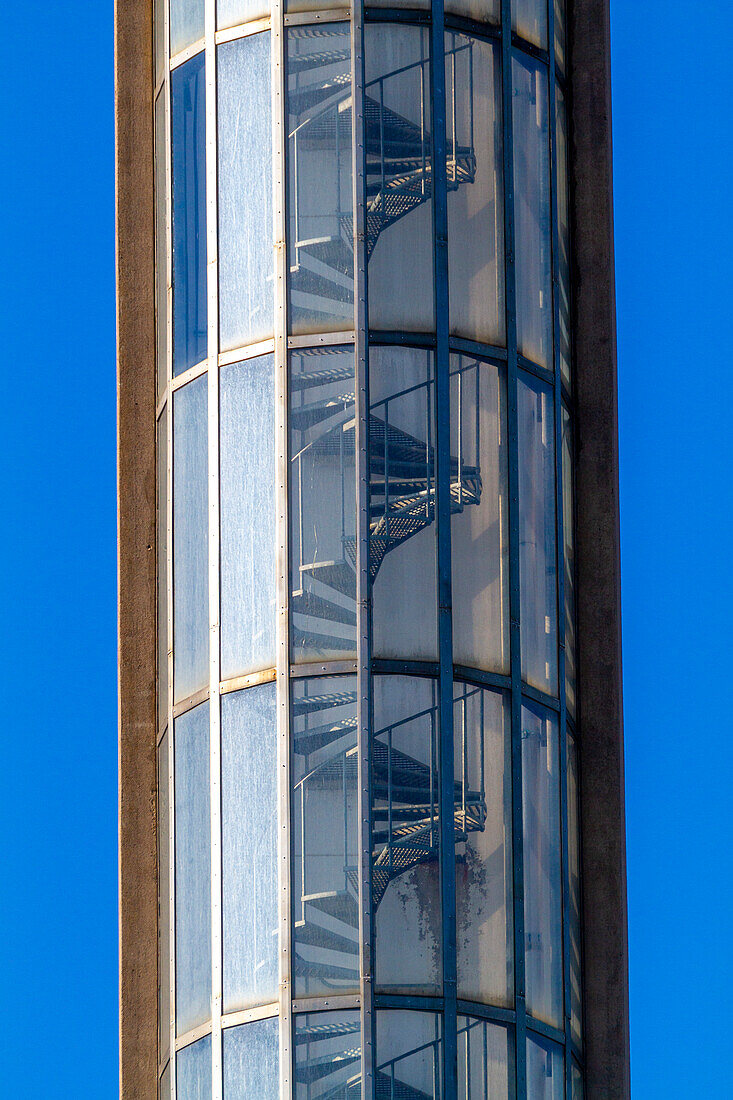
(409, 1055)
(328, 1056)
(545, 1070)
(164, 907)
(475, 202)
(400, 4)
(249, 846)
(187, 23)
(402, 563)
(161, 245)
(483, 11)
(162, 566)
(247, 426)
(159, 19)
(190, 539)
(537, 534)
(193, 870)
(320, 215)
(252, 1061)
(560, 34)
(479, 529)
(577, 1083)
(399, 177)
(484, 1069)
(322, 504)
(246, 255)
(542, 872)
(406, 834)
(483, 817)
(568, 528)
(574, 923)
(193, 1071)
(188, 126)
(325, 845)
(529, 19)
(532, 210)
(563, 226)
(232, 13)
(164, 1085)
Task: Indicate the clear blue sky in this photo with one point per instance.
(674, 165)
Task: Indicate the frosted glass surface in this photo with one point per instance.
(187, 23)
(232, 13)
(574, 915)
(193, 867)
(193, 1071)
(252, 1061)
(328, 1055)
(537, 534)
(483, 11)
(542, 872)
(402, 506)
(162, 567)
(246, 255)
(479, 528)
(484, 1069)
(529, 19)
(484, 859)
(475, 199)
(577, 1083)
(249, 846)
(161, 246)
(563, 227)
(320, 209)
(325, 836)
(545, 1071)
(399, 177)
(247, 427)
(532, 210)
(409, 1054)
(163, 810)
(164, 1085)
(190, 539)
(406, 835)
(560, 34)
(188, 135)
(568, 527)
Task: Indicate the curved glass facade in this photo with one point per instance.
(368, 758)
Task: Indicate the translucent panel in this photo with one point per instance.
(232, 13)
(399, 177)
(483, 11)
(560, 34)
(252, 1061)
(314, 5)
(475, 201)
(545, 1070)
(325, 836)
(483, 818)
(193, 870)
(409, 1055)
(529, 19)
(162, 566)
(322, 504)
(159, 19)
(193, 1071)
(247, 427)
(328, 1056)
(164, 1085)
(563, 226)
(532, 210)
(577, 1083)
(190, 539)
(402, 562)
(249, 846)
(479, 529)
(537, 534)
(484, 1060)
(188, 132)
(574, 899)
(568, 528)
(320, 214)
(406, 834)
(161, 245)
(246, 254)
(187, 23)
(164, 907)
(542, 864)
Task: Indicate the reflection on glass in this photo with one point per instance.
(577, 1083)
(409, 1055)
(188, 136)
(529, 19)
(320, 215)
(400, 4)
(483, 11)
(193, 1071)
(328, 1056)
(190, 540)
(162, 566)
(246, 256)
(563, 227)
(483, 819)
(325, 839)
(542, 864)
(406, 834)
(484, 1069)
(161, 245)
(249, 846)
(568, 529)
(322, 504)
(252, 1061)
(475, 203)
(545, 1070)
(187, 23)
(402, 563)
(232, 13)
(247, 431)
(193, 869)
(159, 22)
(399, 185)
(479, 529)
(537, 534)
(532, 210)
(164, 1086)
(574, 925)
(560, 34)
(163, 811)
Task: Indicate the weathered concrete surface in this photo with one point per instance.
(136, 552)
(598, 550)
